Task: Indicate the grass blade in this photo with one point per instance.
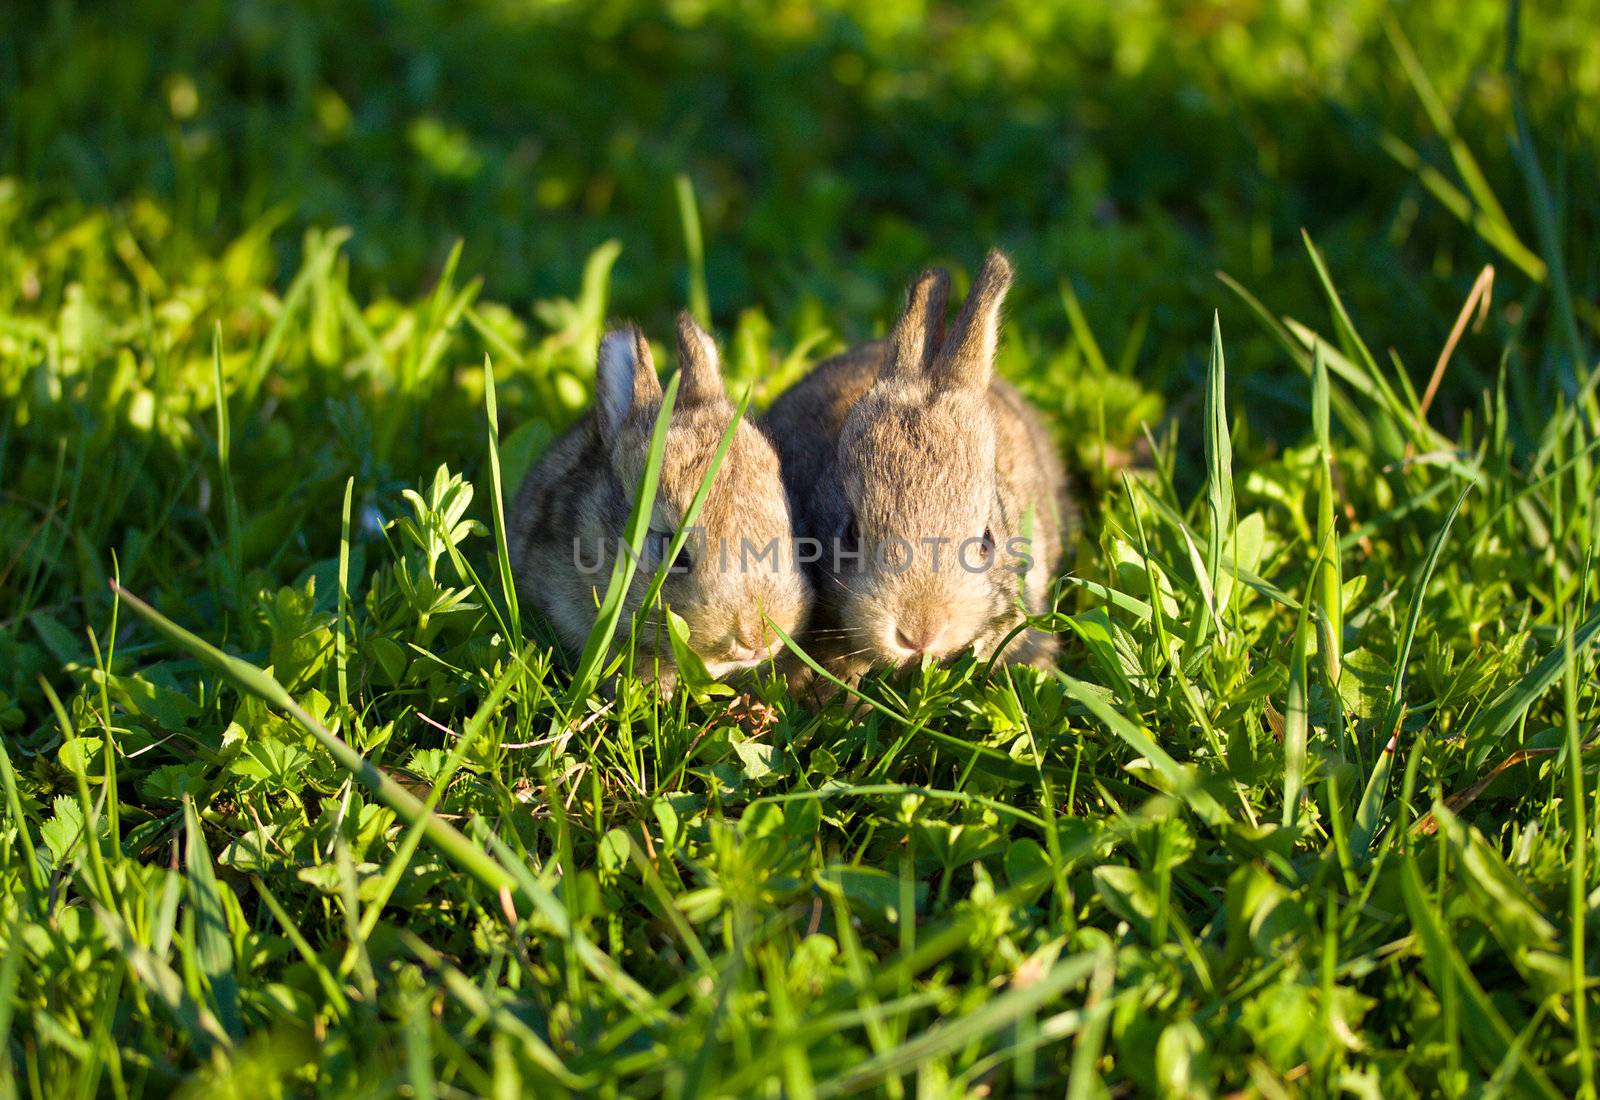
(1296, 721)
(213, 945)
(1081, 331)
(230, 498)
(341, 658)
(1492, 723)
(247, 677)
(1346, 331)
(508, 584)
(692, 513)
(33, 874)
(10, 969)
(1328, 585)
(587, 673)
(1138, 739)
(1001, 1012)
(694, 247)
(154, 975)
(1367, 813)
(325, 979)
(1219, 478)
(312, 271)
(1439, 116)
(489, 873)
(1577, 876)
(1485, 1031)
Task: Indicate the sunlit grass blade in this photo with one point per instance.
(1081, 330)
(1328, 579)
(811, 663)
(594, 294)
(1134, 606)
(1388, 727)
(1466, 164)
(406, 850)
(1494, 721)
(1296, 719)
(1000, 1012)
(341, 635)
(479, 1004)
(246, 677)
(1296, 351)
(1577, 875)
(312, 269)
(508, 584)
(1391, 717)
(694, 249)
(1219, 482)
(1139, 739)
(691, 515)
(1497, 234)
(587, 674)
(33, 880)
(1346, 331)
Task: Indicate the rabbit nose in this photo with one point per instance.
(918, 636)
(752, 641)
(752, 633)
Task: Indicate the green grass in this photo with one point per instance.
(297, 798)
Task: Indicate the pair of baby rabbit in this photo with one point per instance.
(900, 501)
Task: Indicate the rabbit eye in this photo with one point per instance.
(658, 543)
(987, 548)
(850, 533)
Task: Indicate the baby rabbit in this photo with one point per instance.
(736, 566)
(939, 500)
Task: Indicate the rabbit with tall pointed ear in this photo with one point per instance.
(938, 499)
(734, 575)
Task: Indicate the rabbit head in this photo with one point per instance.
(929, 560)
(736, 569)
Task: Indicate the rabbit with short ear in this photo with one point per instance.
(938, 499)
(733, 576)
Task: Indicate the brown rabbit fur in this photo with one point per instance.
(570, 516)
(897, 444)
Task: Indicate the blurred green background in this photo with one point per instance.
(835, 146)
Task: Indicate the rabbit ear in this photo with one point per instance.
(626, 377)
(967, 357)
(699, 366)
(917, 334)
